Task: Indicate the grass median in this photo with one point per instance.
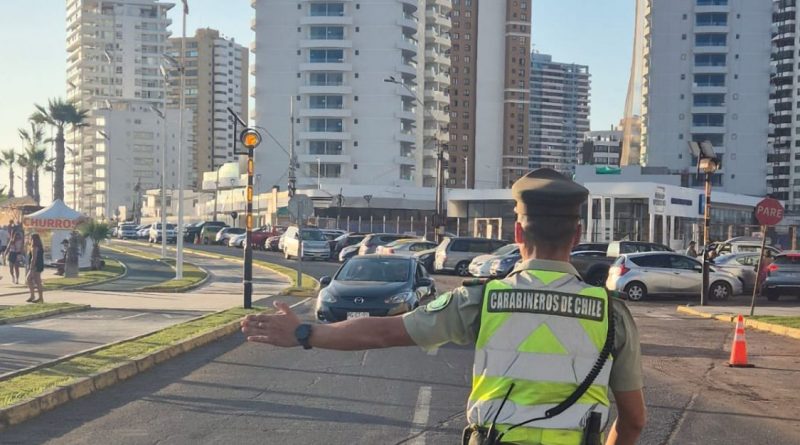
(7, 315)
(112, 269)
(27, 386)
(789, 322)
(308, 287)
(192, 277)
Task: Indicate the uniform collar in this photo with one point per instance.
(549, 265)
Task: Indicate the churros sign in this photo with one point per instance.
(50, 223)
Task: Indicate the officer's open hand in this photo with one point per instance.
(274, 329)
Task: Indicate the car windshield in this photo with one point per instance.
(312, 235)
(400, 242)
(236, 231)
(788, 259)
(505, 250)
(374, 269)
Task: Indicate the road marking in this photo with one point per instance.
(134, 316)
(421, 414)
(298, 304)
(433, 351)
(10, 344)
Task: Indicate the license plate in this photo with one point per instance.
(352, 315)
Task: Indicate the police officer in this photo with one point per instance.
(542, 335)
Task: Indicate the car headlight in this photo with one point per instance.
(326, 296)
(400, 298)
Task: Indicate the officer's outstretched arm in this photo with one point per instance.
(630, 420)
(363, 333)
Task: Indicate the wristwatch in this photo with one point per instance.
(303, 335)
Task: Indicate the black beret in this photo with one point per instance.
(546, 192)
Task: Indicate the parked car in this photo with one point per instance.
(309, 242)
(373, 286)
(455, 253)
(260, 235)
(348, 252)
(743, 266)
(594, 268)
(585, 247)
(481, 265)
(225, 233)
(640, 275)
(271, 243)
(143, 231)
(154, 234)
(742, 244)
(501, 267)
(208, 231)
(783, 276)
(372, 241)
(426, 258)
(332, 235)
(348, 239)
(127, 231)
(237, 240)
(405, 247)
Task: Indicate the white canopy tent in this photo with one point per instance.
(60, 220)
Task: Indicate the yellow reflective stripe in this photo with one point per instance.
(540, 436)
(596, 330)
(546, 276)
(530, 393)
(490, 323)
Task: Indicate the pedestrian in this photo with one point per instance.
(4, 239)
(692, 250)
(542, 335)
(13, 255)
(35, 268)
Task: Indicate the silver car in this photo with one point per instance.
(663, 273)
(741, 265)
(481, 265)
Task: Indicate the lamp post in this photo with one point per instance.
(439, 217)
(708, 163)
(163, 117)
(368, 198)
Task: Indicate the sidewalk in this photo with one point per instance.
(779, 309)
(7, 287)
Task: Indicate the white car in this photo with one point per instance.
(154, 233)
(481, 266)
(237, 240)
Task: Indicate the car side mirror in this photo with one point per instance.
(424, 282)
(324, 281)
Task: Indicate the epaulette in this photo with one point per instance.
(472, 282)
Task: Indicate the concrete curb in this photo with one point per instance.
(39, 315)
(78, 286)
(29, 409)
(755, 324)
(155, 288)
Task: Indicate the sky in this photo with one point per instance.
(588, 32)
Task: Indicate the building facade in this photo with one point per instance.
(216, 79)
(602, 147)
(783, 174)
(706, 78)
(114, 50)
(490, 92)
(559, 113)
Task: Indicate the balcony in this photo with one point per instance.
(437, 96)
(406, 115)
(326, 43)
(408, 46)
(325, 135)
(709, 109)
(325, 89)
(409, 5)
(326, 112)
(440, 116)
(326, 67)
(326, 159)
(405, 136)
(405, 160)
(707, 130)
(700, 69)
(437, 18)
(710, 49)
(712, 8)
(408, 23)
(406, 69)
(326, 20)
(706, 88)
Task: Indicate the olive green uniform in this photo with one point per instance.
(455, 317)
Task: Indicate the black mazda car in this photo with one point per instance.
(373, 286)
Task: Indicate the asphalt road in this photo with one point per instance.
(141, 273)
(39, 341)
(232, 392)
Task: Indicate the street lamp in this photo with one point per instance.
(163, 117)
(368, 198)
(708, 163)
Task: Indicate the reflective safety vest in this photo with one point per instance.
(542, 331)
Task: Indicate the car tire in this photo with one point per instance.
(462, 269)
(636, 291)
(720, 291)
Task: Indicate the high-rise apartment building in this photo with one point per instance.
(783, 158)
(559, 113)
(114, 50)
(489, 92)
(216, 79)
(602, 147)
(330, 62)
(706, 78)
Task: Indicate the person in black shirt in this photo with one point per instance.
(35, 268)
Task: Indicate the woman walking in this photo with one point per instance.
(14, 250)
(35, 268)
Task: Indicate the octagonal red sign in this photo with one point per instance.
(769, 212)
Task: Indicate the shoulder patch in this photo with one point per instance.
(474, 282)
(439, 303)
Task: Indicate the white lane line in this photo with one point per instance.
(10, 344)
(433, 351)
(134, 316)
(421, 414)
(298, 304)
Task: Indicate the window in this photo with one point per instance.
(407, 172)
(708, 39)
(660, 261)
(711, 19)
(709, 80)
(325, 147)
(327, 9)
(317, 102)
(327, 33)
(325, 170)
(326, 56)
(710, 59)
(708, 120)
(712, 2)
(709, 100)
(325, 125)
(683, 263)
(326, 79)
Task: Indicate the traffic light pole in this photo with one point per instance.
(706, 239)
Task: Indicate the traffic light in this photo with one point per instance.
(250, 138)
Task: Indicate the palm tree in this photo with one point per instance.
(33, 158)
(9, 158)
(39, 161)
(59, 114)
(97, 232)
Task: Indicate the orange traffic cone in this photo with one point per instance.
(739, 348)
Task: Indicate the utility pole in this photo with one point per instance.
(182, 104)
(439, 219)
(293, 190)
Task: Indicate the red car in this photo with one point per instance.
(260, 236)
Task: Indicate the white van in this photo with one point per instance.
(309, 242)
(744, 244)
